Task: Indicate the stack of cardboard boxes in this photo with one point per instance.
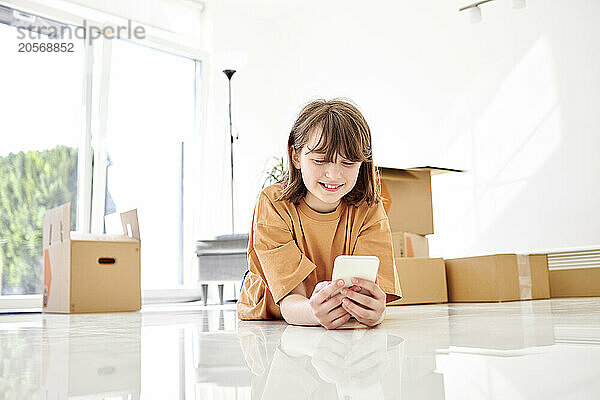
(498, 277)
(407, 201)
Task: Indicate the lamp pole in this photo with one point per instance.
(229, 73)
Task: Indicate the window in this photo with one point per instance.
(150, 118)
(40, 125)
(139, 104)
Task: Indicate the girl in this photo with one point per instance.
(327, 205)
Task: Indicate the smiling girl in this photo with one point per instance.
(327, 205)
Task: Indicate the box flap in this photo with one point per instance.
(129, 220)
(123, 225)
(400, 174)
(57, 225)
(435, 170)
(432, 170)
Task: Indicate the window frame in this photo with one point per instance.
(90, 214)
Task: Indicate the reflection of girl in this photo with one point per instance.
(328, 205)
(314, 364)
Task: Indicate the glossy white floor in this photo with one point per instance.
(545, 349)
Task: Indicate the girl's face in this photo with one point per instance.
(326, 183)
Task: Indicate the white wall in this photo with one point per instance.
(514, 100)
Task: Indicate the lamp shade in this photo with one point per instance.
(475, 14)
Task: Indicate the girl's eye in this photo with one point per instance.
(344, 163)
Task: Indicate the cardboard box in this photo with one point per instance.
(408, 244)
(575, 282)
(500, 277)
(90, 272)
(423, 280)
(407, 197)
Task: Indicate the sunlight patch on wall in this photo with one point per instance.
(516, 135)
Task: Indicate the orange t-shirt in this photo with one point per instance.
(291, 243)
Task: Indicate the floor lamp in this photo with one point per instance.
(229, 73)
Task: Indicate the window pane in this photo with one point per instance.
(40, 128)
(150, 114)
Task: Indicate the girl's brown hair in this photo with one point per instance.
(343, 131)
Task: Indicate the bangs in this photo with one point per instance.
(340, 136)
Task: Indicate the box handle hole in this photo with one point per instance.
(106, 260)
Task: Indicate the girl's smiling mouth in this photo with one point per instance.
(330, 188)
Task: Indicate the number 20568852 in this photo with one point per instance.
(46, 47)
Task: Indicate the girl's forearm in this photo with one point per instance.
(296, 310)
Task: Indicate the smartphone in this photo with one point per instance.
(348, 267)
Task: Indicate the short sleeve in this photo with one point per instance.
(375, 239)
(282, 262)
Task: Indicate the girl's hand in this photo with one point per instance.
(323, 284)
(327, 309)
(320, 286)
(367, 307)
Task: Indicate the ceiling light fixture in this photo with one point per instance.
(475, 10)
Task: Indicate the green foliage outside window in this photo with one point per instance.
(30, 184)
(274, 172)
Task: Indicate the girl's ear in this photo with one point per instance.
(295, 158)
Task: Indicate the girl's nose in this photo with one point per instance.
(332, 170)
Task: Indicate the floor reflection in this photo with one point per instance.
(505, 327)
(311, 362)
(518, 350)
(90, 356)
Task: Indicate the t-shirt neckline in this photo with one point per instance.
(329, 216)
